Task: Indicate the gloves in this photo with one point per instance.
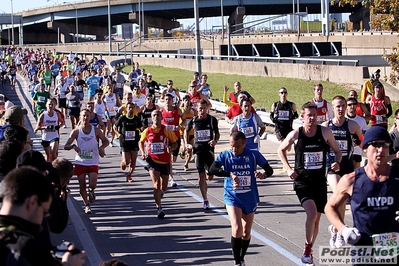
(351, 235)
(397, 217)
(57, 127)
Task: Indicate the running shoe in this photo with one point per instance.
(242, 263)
(186, 168)
(182, 155)
(111, 143)
(87, 209)
(160, 213)
(340, 242)
(172, 183)
(147, 167)
(206, 205)
(192, 159)
(307, 256)
(333, 234)
(92, 196)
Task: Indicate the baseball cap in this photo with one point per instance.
(32, 158)
(196, 73)
(375, 133)
(377, 71)
(149, 75)
(15, 114)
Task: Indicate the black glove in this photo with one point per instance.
(57, 127)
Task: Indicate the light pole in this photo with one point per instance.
(76, 21)
(12, 22)
(109, 28)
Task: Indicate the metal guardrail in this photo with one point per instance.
(217, 105)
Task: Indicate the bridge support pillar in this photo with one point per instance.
(154, 22)
(361, 15)
(236, 20)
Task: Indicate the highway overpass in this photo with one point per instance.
(42, 25)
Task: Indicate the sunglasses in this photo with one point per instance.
(377, 144)
(283, 92)
(350, 104)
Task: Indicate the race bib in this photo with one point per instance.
(86, 154)
(118, 85)
(171, 127)
(343, 146)
(41, 99)
(321, 118)
(130, 135)
(245, 185)
(379, 119)
(313, 160)
(283, 115)
(248, 132)
(157, 148)
(388, 241)
(203, 135)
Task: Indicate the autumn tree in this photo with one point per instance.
(386, 17)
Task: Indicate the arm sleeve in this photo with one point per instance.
(217, 170)
(389, 107)
(268, 170)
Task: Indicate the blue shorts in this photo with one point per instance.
(247, 208)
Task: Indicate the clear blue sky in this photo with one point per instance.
(20, 5)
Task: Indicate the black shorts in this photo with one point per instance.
(345, 167)
(74, 111)
(46, 143)
(357, 158)
(282, 134)
(317, 193)
(164, 169)
(129, 145)
(62, 103)
(204, 160)
(176, 152)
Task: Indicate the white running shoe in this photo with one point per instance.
(206, 205)
(87, 209)
(172, 183)
(333, 234)
(340, 241)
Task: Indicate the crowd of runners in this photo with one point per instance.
(104, 108)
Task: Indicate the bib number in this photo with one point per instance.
(313, 160)
(157, 148)
(203, 135)
(386, 242)
(130, 135)
(86, 154)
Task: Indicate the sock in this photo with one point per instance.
(244, 248)
(236, 245)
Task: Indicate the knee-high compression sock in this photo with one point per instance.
(236, 245)
(244, 248)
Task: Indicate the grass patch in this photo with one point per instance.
(263, 89)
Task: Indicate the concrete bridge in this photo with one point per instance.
(91, 18)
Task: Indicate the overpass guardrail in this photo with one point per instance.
(217, 105)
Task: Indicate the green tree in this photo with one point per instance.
(385, 17)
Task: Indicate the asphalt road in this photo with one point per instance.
(124, 225)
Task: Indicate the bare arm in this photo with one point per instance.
(282, 152)
(338, 198)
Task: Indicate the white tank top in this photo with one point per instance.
(99, 108)
(50, 122)
(88, 146)
(111, 104)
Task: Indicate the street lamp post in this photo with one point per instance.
(12, 22)
(109, 28)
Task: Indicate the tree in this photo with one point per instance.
(386, 17)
